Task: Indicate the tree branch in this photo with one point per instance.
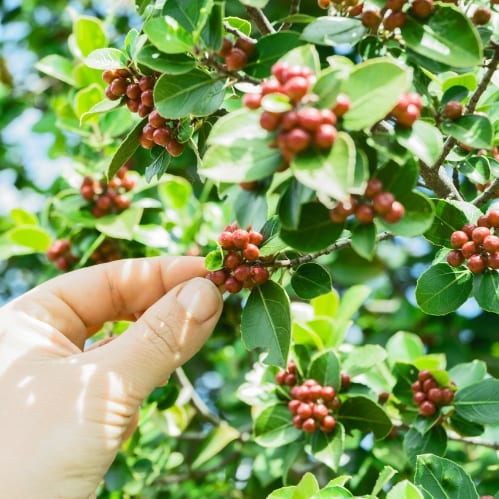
(472, 441)
(294, 8)
(343, 243)
(487, 194)
(261, 21)
(196, 400)
(439, 182)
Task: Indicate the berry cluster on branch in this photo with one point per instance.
(108, 251)
(60, 253)
(235, 54)
(106, 198)
(374, 202)
(407, 110)
(241, 265)
(429, 395)
(478, 244)
(303, 126)
(162, 132)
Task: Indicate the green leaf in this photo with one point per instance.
(152, 235)
(158, 166)
(433, 441)
(315, 230)
(311, 280)
(397, 178)
(290, 203)
(168, 35)
(374, 88)
(266, 322)
(239, 150)
(120, 226)
(214, 260)
(23, 217)
(364, 240)
(106, 58)
(103, 106)
(486, 290)
(479, 403)
(447, 36)
(465, 427)
(126, 149)
(468, 373)
(30, 236)
(86, 99)
(221, 436)
(306, 487)
(333, 174)
(423, 140)
(404, 490)
(172, 64)
(325, 369)
(404, 347)
(473, 130)
(89, 34)
(363, 358)
(328, 447)
(250, 209)
(331, 31)
(442, 289)
(361, 413)
(192, 16)
(440, 478)
(58, 67)
(448, 218)
(195, 92)
(386, 474)
(417, 219)
(273, 427)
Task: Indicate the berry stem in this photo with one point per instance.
(261, 21)
(338, 245)
(487, 194)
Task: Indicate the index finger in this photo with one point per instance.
(83, 300)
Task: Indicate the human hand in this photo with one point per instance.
(64, 411)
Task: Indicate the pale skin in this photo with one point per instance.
(65, 412)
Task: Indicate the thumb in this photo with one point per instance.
(168, 334)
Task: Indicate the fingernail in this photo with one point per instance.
(200, 298)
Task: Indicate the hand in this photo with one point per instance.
(64, 412)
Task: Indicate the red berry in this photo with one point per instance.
(122, 202)
(328, 424)
(270, 121)
(296, 88)
(62, 263)
(145, 142)
(225, 48)
(148, 132)
(395, 214)
(146, 83)
(469, 249)
(304, 410)
(235, 59)
(309, 118)
(394, 20)
(334, 404)
(109, 75)
(416, 386)
(87, 192)
(424, 375)
(468, 229)
(133, 91)
(493, 217)
(232, 285)
(428, 384)
(345, 381)
(143, 110)
(297, 422)
(479, 234)
(217, 277)
(419, 397)
(325, 136)
(297, 140)
(452, 110)
(342, 105)
(364, 213)
(161, 136)
(293, 405)
(147, 98)
(225, 240)
(255, 238)
(483, 221)
(260, 275)
(394, 5)
(374, 186)
(328, 393)
(408, 118)
(320, 411)
(291, 367)
(110, 94)
(491, 244)
(481, 16)
(133, 105)
(118, 87)
(232, 260)
(280, 377)
(242, 272)
(251, 252)
(493, 261)
(247, 45)
(477, 264)
(382, 202)
(458, 238)
(427, 408)
(328, 117)
(371, 19)
(156, 120)
(252, 101)
(421, 8)
(289, 120)
(175, 148)
(309, 425)
(447, 396)
(240, 238)
(435, 395)
(103, 203)
(315, 392)
(455, 258)
(290, 379)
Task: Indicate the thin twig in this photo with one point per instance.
(294, 8)
(472, 441)
(343, 243)
(196, 400)
(260, 20)
(487, 194)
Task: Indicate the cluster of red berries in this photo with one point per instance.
(109, 197)
(477, 244)
(241, 268)
(108, 251)
(59, 252)
(158, 131)
(374, 201)
(407, 110)
(136, 89)
(302, 126)
(235, 54)
(428, 395)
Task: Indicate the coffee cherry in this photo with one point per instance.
(325, 136)
(145, 142)
(328, 117)
(146, 83)
(309, 118)
(458, 238)
(427, 408)
(118, 87)
(328, 424)
(468, 229)
(410, 115)
(240, 238)
(453, 110)
(297, 140)
(147, 98)
(304, 410)
(469, 249)
(122, 202)
(419, 397)
(133, 105)
(247, 45)
(481, 16)
(143, 110)
(455, 258)
(383, 397)
(493, 261)
(483, 221)
(296, 88)
(270, 121)
(315, 392)
(175, 148)
(424, 374)
(232, 285)
(491, 244)
(251, 252)
(394, 5)
(447, 396)
(479, 234)
(324, 4)
(374, 186)
(280, 377)
(309, 425)
(290, 379)
(328, 393)
(235, 59)
(260, 275)
(320, 411)
(109, 75)
(394, 20)
(428, 384)
(217, 277)
(279, 71)
(416, 386)
(395, 214)
(435, 395)
(242, 272)
(232, 260)
(382, 202)
(364, 213)
(493, 217)
(371, 19)
(255, 238)
(421, 8)
(161, 136)
(342, 105)
(293, 404)
(252, 101)
(156, 120)
(477, 264)
(345, 381)
(109, 94)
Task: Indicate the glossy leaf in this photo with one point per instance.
(471, 129)
(106, 58)
(442, 289)
(89, 34)
(273, 427)
(468, 373)
(404, 490)
(30, 236)
(440, 478)
(364, 240)
(311, 280)
(325, 369)
(486, 290)
(423, 140)
(120, 226)
(172, 64)
(433, 441)
(448, 218)
(58, 67)
(363, 358)
(479, 402)
(447, 36)
(266, 322)
(168, 35)
(331, 31)
(328, 447)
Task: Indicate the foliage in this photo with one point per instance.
(357, 292)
